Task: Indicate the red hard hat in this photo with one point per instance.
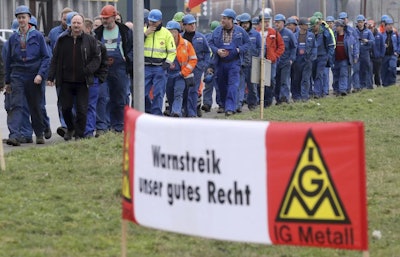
(108, 11)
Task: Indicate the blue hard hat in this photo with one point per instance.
(266, 15)
(255, 21)
(69, 17)
(238, 19)
(33, 21)
(384, 17)
(188, 19)
(173, 25)
(14, 25)
(245, 17)
(280, 17)
(155, 15)
(343, 15)
(22, 9)
(330, 19)
(208, 78)
(360, 18)
(291, 21)
(389, 21)
(229, 13)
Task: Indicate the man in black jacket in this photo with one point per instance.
(76, 57)
(118, 40)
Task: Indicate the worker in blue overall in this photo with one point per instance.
(367, 40)
(245, 78)
(377, 53)
(302, 66)
(117, 38)
(26, 66)
(282, 89)
(229, 43)
(202, 49)
(389, 63)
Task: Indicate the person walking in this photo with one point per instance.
(389, 63)
(306, 53)
(159, 55)
(229, 43)
(202, 49)
(377, 53)
(26, 66)
(181, 71)
(117, 38)
(76, 57)
(367, 40)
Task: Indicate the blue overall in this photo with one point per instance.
(389, 62)
(228, 77)
(365, 57)
(378, 52)
(156, 78)
(118, 87)
(354, 72)
(209, 87)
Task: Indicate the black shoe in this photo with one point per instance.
(251, 107)
(68, 135)
(199, 112)
(221, 110)
(25, 140)
(206, 108)
(239, 109)
(100, 132)
(13, 142)
(47, 133)
(39, 140)
(61, 131)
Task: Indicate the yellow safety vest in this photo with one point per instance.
(159, 47)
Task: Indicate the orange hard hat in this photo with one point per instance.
(108, 11)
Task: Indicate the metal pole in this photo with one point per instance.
(138, 57)
(262, 84)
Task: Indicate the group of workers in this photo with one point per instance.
(91, 64)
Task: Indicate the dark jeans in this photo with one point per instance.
(79, 92)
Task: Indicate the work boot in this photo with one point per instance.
(13, 142)
(61, 131)
(68, 136)
(40, 140)
(47, 133)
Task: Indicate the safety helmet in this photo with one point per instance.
(339, 23)
(360, 18)
(108, 11)
(69, 17)
(318, 15)
(304, 21)
(173, 25)
(343, 15)
(214, 25)
(245, 17)
(155, 15)
(188, 19)
(384, 17)
(14, 25)
(22, 9)
(33, 21)
(291, 21)
(388, 21)
(255, 21)
(178, 16)
(313, 21)
(330, 19)
(229, 13)
(267, 16)
(280, 17)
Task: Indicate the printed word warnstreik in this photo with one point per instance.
(208, 163)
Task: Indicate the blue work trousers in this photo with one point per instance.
(208, 93)
(23, 89)
(301, 79)
(174, 91)
(365, 71)
(156, 77)
(26, 127)
(341, 76)
(228, 78)
(91, 111)
(318, 75)
(282, 89)
(245, 81)
(193, 95)
(269, 91)
(103, 108)
(388, 70)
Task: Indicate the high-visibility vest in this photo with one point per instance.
(159, 47)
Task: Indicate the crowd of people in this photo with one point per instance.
(90, 62)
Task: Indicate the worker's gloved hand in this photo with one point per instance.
(189, 80)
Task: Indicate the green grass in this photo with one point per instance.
(64, 199)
